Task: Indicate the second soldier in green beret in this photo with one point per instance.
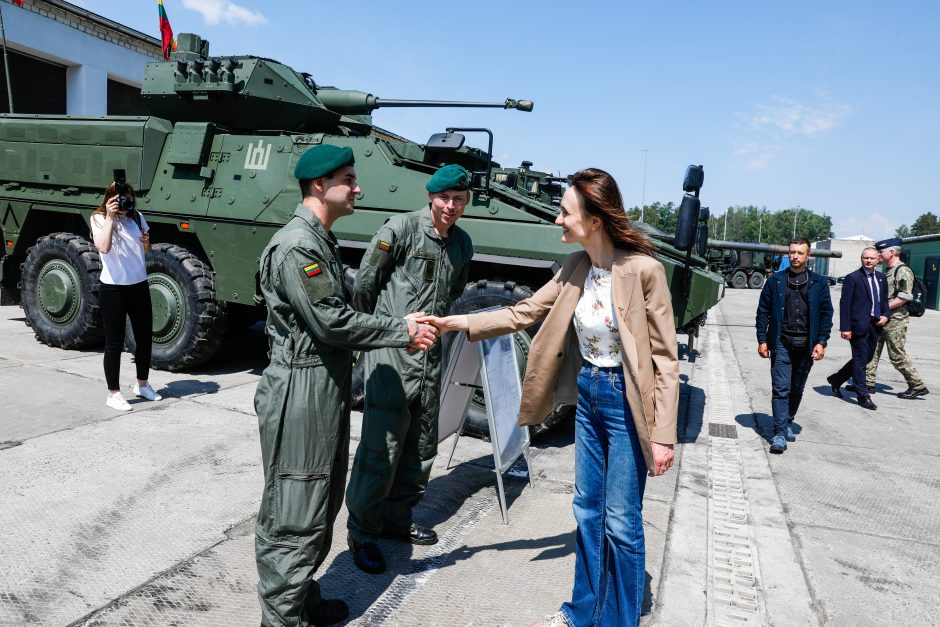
(302, 400)
(418, 261)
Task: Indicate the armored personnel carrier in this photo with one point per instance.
(212, 169)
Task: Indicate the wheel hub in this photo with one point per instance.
(169, 307)
(59, 290)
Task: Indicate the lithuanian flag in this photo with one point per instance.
(166, 32)
(312, 270)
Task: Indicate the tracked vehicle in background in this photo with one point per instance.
(212, 169)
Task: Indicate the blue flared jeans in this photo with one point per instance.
(610, 476)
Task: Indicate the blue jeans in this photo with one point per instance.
(610, 476)
(789, 369)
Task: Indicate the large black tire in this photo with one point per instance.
(756, 281)
(484, 294)
(59, 291)
(189, 321)
(739, 279)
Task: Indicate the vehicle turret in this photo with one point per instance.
(249, 93)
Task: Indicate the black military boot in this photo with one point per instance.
(367, 556)
(912, 393)
(326, 612)
(416, 534)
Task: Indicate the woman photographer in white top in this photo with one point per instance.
(122, 237)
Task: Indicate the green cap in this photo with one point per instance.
(449, 177)
(321, 161)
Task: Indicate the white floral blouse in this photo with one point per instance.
(595, 323)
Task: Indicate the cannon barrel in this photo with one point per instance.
(767, 248)
(352, 102)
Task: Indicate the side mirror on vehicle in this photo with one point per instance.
(686, 227)
(446, 141)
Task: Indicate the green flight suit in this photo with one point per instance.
(900, 285)
(408, 267)
(303, 404)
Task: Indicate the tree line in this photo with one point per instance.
(745, 224)
(925, 224)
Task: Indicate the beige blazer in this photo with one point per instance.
(647, 334)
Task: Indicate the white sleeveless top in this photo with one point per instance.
(595, 321)
(124, 264)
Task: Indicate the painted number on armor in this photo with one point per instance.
(257, 156)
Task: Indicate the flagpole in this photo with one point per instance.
(6, 64)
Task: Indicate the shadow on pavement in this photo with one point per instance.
(691, 411)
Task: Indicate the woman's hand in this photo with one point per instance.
(112, 207)
(145, 241)
(447, 323)
(663, 456)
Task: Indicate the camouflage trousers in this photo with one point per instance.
(894, 337)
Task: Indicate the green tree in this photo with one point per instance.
(926, 224)
(902, 231)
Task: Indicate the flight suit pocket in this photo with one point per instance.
(428, 264)
(302, 501)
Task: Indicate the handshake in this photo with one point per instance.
(423, 330)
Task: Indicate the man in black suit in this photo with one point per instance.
(863, 311)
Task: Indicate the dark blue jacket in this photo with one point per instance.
(855, 304)
(773, 300)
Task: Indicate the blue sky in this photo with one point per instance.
(832, 106)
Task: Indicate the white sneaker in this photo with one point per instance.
(116, 401)
(147, 392)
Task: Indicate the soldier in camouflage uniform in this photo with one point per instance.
(303, 398)
(417, 261)
(900, 289)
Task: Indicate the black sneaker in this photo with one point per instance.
(327, 612)
(909, 393)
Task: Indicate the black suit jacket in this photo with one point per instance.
(855, 304)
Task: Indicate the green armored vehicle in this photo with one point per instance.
(212, 169)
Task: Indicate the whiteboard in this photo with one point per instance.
(458, 386)
(503, 390)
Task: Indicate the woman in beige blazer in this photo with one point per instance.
(607, 343)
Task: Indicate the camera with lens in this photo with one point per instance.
(125, 203)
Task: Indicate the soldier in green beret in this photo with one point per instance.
(419, 260)
(302, 400)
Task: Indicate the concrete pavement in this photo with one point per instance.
(145, 518)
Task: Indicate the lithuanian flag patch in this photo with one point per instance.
(312, 270)
(384, 245)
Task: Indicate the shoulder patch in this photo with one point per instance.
(381, 254)
(317, 284)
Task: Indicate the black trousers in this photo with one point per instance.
(862, 350)
(117, 303)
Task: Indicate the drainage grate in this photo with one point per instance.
(722, 431)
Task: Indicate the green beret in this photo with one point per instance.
(449, 177)
(888, 243)
(321, 161)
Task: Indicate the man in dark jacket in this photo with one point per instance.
(863, 312)
(416, 261)
(794, 319)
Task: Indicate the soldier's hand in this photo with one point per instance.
(422, 335)
(762, 350)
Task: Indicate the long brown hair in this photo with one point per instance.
(110, 193)
(601, 197)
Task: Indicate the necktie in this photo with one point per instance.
(873, 286)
